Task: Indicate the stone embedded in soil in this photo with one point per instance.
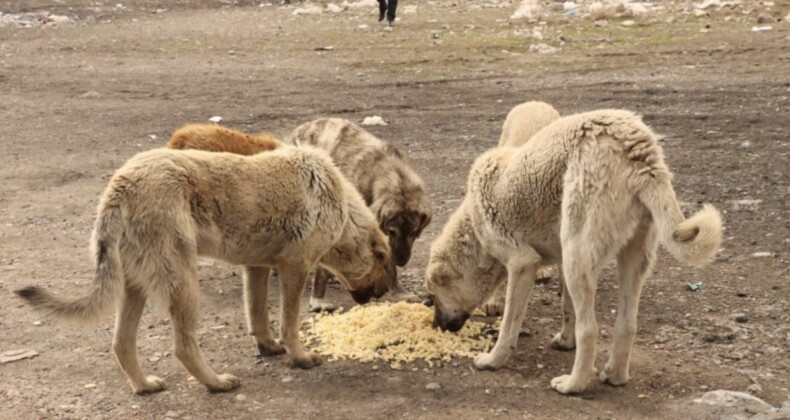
(172, 414)
(762, 254)
(241, 397)
(765, 18)
(15, 355)
(287, 379)
(740, 317)
(433, 386)
(741, 400)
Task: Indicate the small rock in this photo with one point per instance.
(642, 396)
(726, 398)
(544, 321)
(433, 386)
(327, 48)
(91, 94)
(241, 397)
(374, 368)
(215, 119)
(333, 8)
(543, 49)
(172, 414)
(374, 120)
(754, 388)
(15, 355)
(90, 386)
(628, 23)
(38, 323)
(740, 317)
(762, 28)
(487, 392)
(287, 379)
(763, 254)
(765, 18)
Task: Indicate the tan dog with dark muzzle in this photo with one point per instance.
(288, 209)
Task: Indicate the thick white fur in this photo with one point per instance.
(584, 189)
(522, 122)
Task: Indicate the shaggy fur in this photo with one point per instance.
(522, 122)
(215, 138)
(584, 189)
(288, 209)
(394, 192)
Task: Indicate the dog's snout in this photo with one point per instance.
(448, 323)
(363, 296)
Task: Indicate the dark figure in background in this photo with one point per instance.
(388, 9)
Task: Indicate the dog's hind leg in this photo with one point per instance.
(318, 302)
(124, 342)
(634, 264)
(581, 270)
(566, 338)
(292, 282)
(520, 280)
(256, 291)
(183, 306)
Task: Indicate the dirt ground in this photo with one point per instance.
(79, 99)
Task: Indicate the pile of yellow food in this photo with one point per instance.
(392, 332)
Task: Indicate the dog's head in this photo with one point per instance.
(460, 276)
(362, 259)
(402, 229)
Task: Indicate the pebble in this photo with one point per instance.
(287, 379)
(628, 23)
(91, 94)
(90, 386)
(754, 388)
(433, 386)
(762, 254)
(765, 18)
(740, 317)
(241, 397)
(488, 392)
(544, 321)
(172, 414)
(38, 323)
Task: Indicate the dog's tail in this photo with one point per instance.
(694, 240)
(108, 282)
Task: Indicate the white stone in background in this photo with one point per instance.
(374, 120)
(308, 10)
(529, 10)
(215, 119)
(537, 35)
(361, 4)
(543, 49)
(762, 28)
(568, 5)
(333, 8)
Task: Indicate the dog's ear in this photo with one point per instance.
(381, 249)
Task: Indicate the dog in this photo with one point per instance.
(392, 189)
(287, 209)
(584, 189)
(521, 123)
(215, 138)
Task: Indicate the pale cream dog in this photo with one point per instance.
(584, 189)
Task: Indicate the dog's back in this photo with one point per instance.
(214, 138)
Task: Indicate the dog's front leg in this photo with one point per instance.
(256, 292)
(292, 283)
(520, 280)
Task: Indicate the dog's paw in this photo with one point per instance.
(567, 384)
(493, 308)
(321, 305)
(270, 348)
(150, 385)
(560, 342)
(612, 376)
(487, 361)
(225, 382)
(308, 361)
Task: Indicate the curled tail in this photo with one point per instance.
(694, 240)
(108, 283)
